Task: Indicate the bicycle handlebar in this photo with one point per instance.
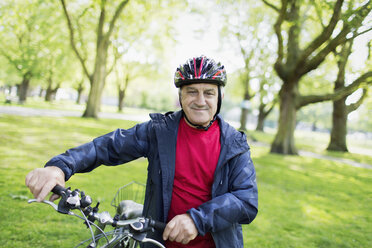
(138, 226)
(70, 200)
(158, 225)
(58, 189)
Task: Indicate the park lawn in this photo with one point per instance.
(303, 202)
(317, 142)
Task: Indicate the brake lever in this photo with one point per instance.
(152, 241)
(46, 202)
(50, 204)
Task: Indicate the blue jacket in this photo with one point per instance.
(234, 190)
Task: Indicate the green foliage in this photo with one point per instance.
(303, 202)
(31, 44)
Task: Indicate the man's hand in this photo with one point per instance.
(180, 229)
(42, 180)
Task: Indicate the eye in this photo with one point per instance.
(192, 92)
(210, 93)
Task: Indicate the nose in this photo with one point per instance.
(200, 99)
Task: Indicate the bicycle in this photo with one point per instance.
(130, 227)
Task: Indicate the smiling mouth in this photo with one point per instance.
(199, 109)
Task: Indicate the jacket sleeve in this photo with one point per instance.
(117, 147)
(239, 204)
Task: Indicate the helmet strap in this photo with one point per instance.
(199, 126)
(219, 101)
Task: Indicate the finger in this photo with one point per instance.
(28, 178)
(180, 238)
(54, 197)
(185, 241)
(175, 235)
(34, 185)
(45, 190)
(168, 229)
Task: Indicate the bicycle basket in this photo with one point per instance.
(134, 191)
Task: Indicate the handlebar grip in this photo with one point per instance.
(58, 189)
(158, 225)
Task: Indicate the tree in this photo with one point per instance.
(340, 109)
(23, 36)
(266, 105)
(98, 75)
(138, 15)
(79, 87)
(298, 57)
(32, 47)
(248, 31)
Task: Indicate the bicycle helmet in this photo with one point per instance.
(200, 69)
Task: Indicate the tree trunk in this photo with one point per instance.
(244, 119)
(97, 82)
(121, 101)
(261, 118)
(245, 107)
(41, 92)
(94, 100)
(23, 88)
(284, 139)
(314, 127)
(339, 115)
(122, 92)
(339, 127)
(50, 94)
(79, 91)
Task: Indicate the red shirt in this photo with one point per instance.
(197, 154)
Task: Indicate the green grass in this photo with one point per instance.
(317, 142)
(303, 202)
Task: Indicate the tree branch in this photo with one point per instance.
(273, 103)
(271, 5)
(358, 34)
(101, 22)
(325, 34)
(338, 94)
(84, 53)
(354, 106)
(118, 11)
(317, 59)
(72, 39)
(319, 15)
(278, 31)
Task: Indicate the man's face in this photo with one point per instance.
(199, 102)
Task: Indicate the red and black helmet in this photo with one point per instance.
(200, 70)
